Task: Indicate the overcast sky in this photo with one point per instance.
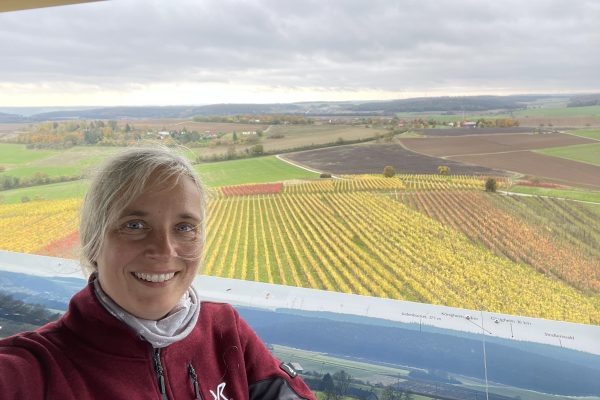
(137, 52)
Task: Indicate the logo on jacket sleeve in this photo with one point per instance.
(219, 395)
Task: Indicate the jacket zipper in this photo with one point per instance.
(159, 374)
(194, 378)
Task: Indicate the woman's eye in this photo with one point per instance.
(134, 226)
(186, 230)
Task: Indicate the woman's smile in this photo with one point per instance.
(148, 277)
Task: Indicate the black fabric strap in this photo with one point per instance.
(276, 388)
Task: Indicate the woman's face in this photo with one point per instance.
(150, 257)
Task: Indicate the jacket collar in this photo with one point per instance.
(92, 324)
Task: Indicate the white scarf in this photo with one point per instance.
(178, 323)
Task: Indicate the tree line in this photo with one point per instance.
(19, 311)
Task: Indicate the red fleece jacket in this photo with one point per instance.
(89, 354)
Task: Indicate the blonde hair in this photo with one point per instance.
(119, 181)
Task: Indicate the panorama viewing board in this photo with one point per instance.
(383, 345)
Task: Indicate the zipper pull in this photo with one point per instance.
(159, 374)
(194, 378)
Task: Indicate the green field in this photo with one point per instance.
(252, 170)
(235, 172)
(76, 161)
(589, 133)
(64, 190)
(18, 154)
(587, 153)
(573, 194)
(590, 111)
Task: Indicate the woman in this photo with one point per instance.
(138, 330)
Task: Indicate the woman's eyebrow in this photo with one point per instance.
(139, 213)
(134, 213)
(189, 216)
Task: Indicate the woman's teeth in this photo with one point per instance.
(154, 277)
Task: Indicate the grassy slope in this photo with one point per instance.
(589, 133)
(18, 154)
(252, 170)
(574, 194)
(75, 161)
(587, 153)
(64, 190)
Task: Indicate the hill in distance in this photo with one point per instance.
(450, 105)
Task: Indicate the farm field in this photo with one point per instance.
(189, 125)
(559, 116)
(252, 170)
(465, 145)
(590, 133)
(9, 129)
(371, 158)
(587, 153)
(450, 132)
(507, 234)
(303, 135)
(566, 122)
(530, 163)
(587, 111)
(344, 236)
(21, 162)
(54, 191)
(236, 172)
(573, 194)
(296, 136)
(18, 154)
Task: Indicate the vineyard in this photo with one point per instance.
(424, 238)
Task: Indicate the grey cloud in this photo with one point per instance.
(347, 45)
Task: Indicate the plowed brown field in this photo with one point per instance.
(371, 158)
(539, 165)
(480, 144)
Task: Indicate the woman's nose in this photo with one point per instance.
(162, 244)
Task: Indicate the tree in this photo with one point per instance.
(235, 137)
(389, 171)
(342, 383)
(328, 386)
(491, 185)
(92, 136)
(257, 150)
(390, 393)
(231, 153)
(444, 170)
(19, 311)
